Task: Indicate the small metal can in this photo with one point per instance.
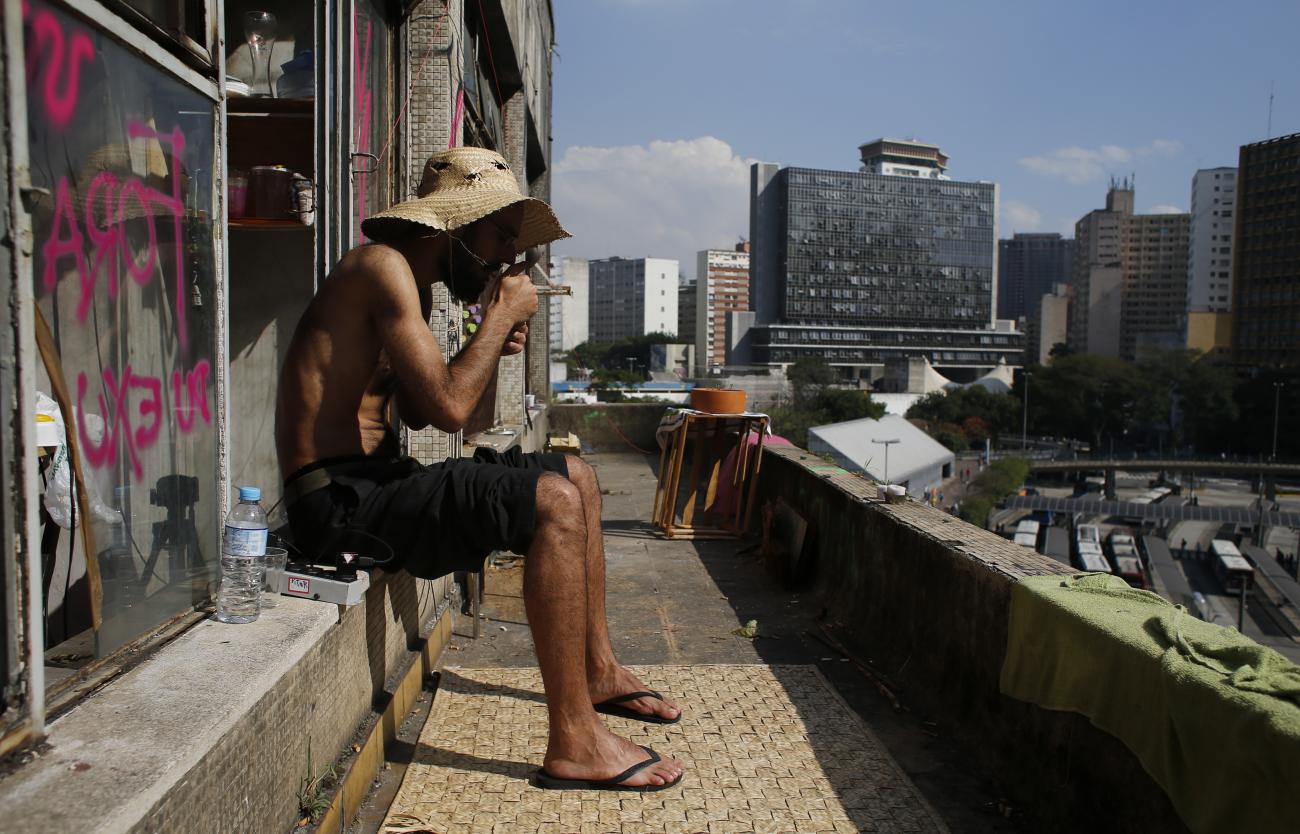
(304, 199)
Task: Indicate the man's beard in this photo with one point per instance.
(468, 277)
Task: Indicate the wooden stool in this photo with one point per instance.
(715, 437)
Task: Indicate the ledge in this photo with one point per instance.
(925, 598)
(114, 757)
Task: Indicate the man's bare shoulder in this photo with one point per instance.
(374, 262)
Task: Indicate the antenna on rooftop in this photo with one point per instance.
(1270, 111)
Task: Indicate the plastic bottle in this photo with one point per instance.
(243, 546)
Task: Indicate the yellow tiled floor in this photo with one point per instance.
(767, 749)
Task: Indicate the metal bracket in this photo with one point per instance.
(29, 194)
(373, 169)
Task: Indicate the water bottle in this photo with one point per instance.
(243, 548)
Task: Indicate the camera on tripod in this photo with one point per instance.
(173, 490)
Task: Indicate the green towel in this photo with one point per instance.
(1213, 716)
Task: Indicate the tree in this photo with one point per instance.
(1002, 478)
(995, 414)
(810, 375)
(817, 402)
(1085, 396)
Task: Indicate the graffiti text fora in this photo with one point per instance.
(116, 201)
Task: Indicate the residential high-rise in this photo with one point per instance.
(861, 267)
(1048, 326)
(723, 282)
(1130, 279)
(631, 297)
(1029, 265)
(1266, 272)
(1209, 261)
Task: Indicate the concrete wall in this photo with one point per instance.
(599, 426)
(270, 287)
(926, 598)
(211, 733)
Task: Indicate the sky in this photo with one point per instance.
(660, 106)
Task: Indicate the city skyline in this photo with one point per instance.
(652, 155)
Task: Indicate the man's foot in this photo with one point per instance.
(614, 706)
(621, 782)
(610, 689)
(601, 760)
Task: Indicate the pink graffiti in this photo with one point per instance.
(138, 430)
(196, 383)
(364, 101)
(61, 58)
(119, 201)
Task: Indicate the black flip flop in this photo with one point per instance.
(614, 707)
(546, 781)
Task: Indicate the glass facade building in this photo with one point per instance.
(876, 266)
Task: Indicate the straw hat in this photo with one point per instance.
(462, 185)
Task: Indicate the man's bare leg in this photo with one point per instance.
(605, 677)
(555, 597)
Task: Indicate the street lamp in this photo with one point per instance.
(1277, 397)
(1024, 424)
(886, 444)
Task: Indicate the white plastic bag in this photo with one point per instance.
(60, 491)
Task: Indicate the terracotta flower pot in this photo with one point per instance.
(718, 400)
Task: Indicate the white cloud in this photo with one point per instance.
(1165, 208)
(666, 199)
(1077, 165)
(1018, 217)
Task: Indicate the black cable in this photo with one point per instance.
(72, 544)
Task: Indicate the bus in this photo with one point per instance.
(1129, 568)
(1056, 544)
(1027, 534)
(1092, 559)
(1230, 567)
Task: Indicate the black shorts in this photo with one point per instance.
(432, 520)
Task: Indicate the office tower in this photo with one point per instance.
(1029, 266)
(573, 308)
(631, 297)
(1266, 274)
(862, 267)
(686, 301)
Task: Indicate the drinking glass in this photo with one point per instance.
(259, 32)
(275, 559)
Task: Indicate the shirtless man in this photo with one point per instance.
(364, 343)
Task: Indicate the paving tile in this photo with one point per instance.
(751, 763)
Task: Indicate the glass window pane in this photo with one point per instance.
(124, 274)
(175, 17)
(371, 110)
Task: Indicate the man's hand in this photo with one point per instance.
(516, 340)
(514, 294)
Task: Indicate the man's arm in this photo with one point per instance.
(433, 391)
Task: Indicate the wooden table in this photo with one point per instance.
(710, 438)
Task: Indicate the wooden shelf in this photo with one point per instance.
(265, 106)
(265, 224)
